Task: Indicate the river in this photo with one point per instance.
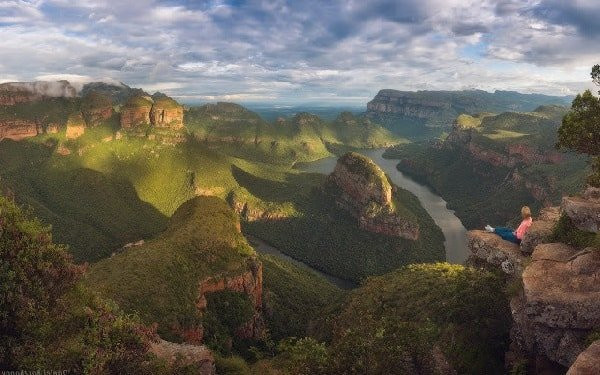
(451, 226)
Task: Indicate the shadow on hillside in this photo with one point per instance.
(294, 189)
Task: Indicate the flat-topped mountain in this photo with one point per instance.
(409, 113)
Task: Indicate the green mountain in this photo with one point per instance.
(490, 165)
(303, 137)
(424, 114)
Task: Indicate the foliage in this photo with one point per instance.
(226, 312)
(159, 280)
(233, 365)
(48, 319)
(580, 131)
(304, 356)
(494, 194)
(566, 232)
(286, 287)
(394, 322)
(329, 239)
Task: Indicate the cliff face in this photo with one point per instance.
(18, 129)
(136, 112)
(160, 113)
(559, 305)
(363, 189)
(75, 126)
(166, 113)
(407, 104)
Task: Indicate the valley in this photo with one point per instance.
(247, 241)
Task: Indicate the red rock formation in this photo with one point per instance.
(136, 112)
(166, 113)
(363, 189)
(18, 129)
(75, 126)
(588, 362)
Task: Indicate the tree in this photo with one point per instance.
(580, 129)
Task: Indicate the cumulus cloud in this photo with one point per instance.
(295, 51)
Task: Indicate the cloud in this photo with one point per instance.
(294, 51)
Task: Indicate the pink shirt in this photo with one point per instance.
(523, 228)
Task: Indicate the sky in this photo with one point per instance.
(328, 52)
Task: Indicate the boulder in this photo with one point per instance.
(185, 355)
(541, 229)
(492, 249)
(362, 188)
(588, 362)
(583, 212)
(560, 303)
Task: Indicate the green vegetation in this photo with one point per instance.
(482, 193)
(579, 130)
(159, 280)
(423, 115)
(286, 288)
(566, 232)
(304, 137)
(226, 312)
(397, 322)
(329, 239)
(49, 320)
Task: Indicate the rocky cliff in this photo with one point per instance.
(166, 113)
(141, 111)
(136, 112)
(440, 108)
(362, 188)
(18, 129)
(558, 306)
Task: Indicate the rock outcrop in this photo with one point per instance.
(407, 104)
(584, 212)
(493, 250)
(588, 362)
(75, 126)
(163, 112)
(362, 188)
(18, 129)
(136, 112)
(166, 113)
(198, 356)
(560, 304)
(249, 283)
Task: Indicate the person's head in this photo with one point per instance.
(526, 212)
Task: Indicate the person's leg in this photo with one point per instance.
(502, 230)
(507, 234)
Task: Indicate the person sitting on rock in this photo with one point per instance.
(511, 235)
